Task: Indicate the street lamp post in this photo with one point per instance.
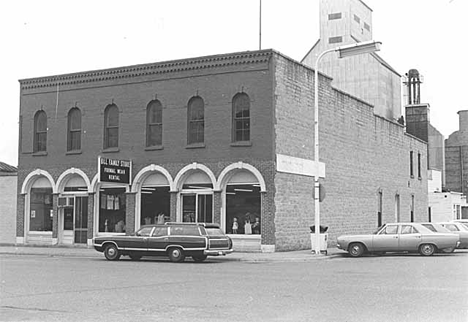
(344, 51)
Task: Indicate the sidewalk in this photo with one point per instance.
(53, 251)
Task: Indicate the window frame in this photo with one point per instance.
(108, 128)
(73, 133)
(195, 123)
(411, 165)
(40, 132)
(154, 111)
(245, 129)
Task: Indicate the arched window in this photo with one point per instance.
(111, 127)
(241, 118)
(74, 130)
(154, 124)
(196, 121)
(40, 132)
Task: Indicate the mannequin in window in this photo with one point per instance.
(160, 218)
(256, 226)
(120, 227)
(235, 225)
(247, 224)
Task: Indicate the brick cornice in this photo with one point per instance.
(241, 59)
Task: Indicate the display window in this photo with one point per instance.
(243, 209)
(155, 205)
(41, 213)
(197, 202)
(112, 210)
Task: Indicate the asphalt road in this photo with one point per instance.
(387, 288)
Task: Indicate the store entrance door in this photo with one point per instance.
(81, 220)
(197, 207)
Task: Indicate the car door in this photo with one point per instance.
(137, 242)
(386, 239)
(158, 241)
(410, 238)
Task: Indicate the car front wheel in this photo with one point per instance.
(111, 253)
(426, 249)
(356, 249)
(176, 254)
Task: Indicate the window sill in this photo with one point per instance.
(73, 152)
(411, 176)
(154, 148)
(39, 154)
(110, 150)
(241, 143)
(196, 146)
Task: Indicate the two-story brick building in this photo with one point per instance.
(220, 139)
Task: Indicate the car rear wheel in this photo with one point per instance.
(199, 258)
(176, 254)
(426, 249)
(111, 252)
(356, 249)
(448, 250)
(135, 257)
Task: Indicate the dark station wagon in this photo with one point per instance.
(174, 240)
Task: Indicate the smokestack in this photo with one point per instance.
(413, 82)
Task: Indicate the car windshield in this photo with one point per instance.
(214, 231)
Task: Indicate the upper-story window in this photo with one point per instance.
(111, 126)
(334, 40)
(40, 132)
(419, 165)
(241, 118)
(196, 121)
(74, 130)
(411, 164)
(154, 124)
(357, 19)
(366, 26)
(333, 16)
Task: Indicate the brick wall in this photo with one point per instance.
(362, 152)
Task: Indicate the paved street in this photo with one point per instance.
(336, 288)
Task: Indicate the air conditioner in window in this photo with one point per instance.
(65, 202)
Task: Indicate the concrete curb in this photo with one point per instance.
(56, 251)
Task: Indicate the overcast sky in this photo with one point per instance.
(44, 37)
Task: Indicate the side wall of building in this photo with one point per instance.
(365, 156)
(8, 209)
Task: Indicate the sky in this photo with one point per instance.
(50, 37)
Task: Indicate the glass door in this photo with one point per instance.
(81, 220)
(197, 207)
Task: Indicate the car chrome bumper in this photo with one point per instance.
(214, 252)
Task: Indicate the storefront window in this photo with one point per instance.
(112, 210)
(243, 209)
(41, 213)
(155, 205)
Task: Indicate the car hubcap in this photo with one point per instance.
(111, 251)
(176, 253)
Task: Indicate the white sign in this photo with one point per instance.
(301, 166)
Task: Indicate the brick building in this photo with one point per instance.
(456, 162)
(8, 184)
(210, 139)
